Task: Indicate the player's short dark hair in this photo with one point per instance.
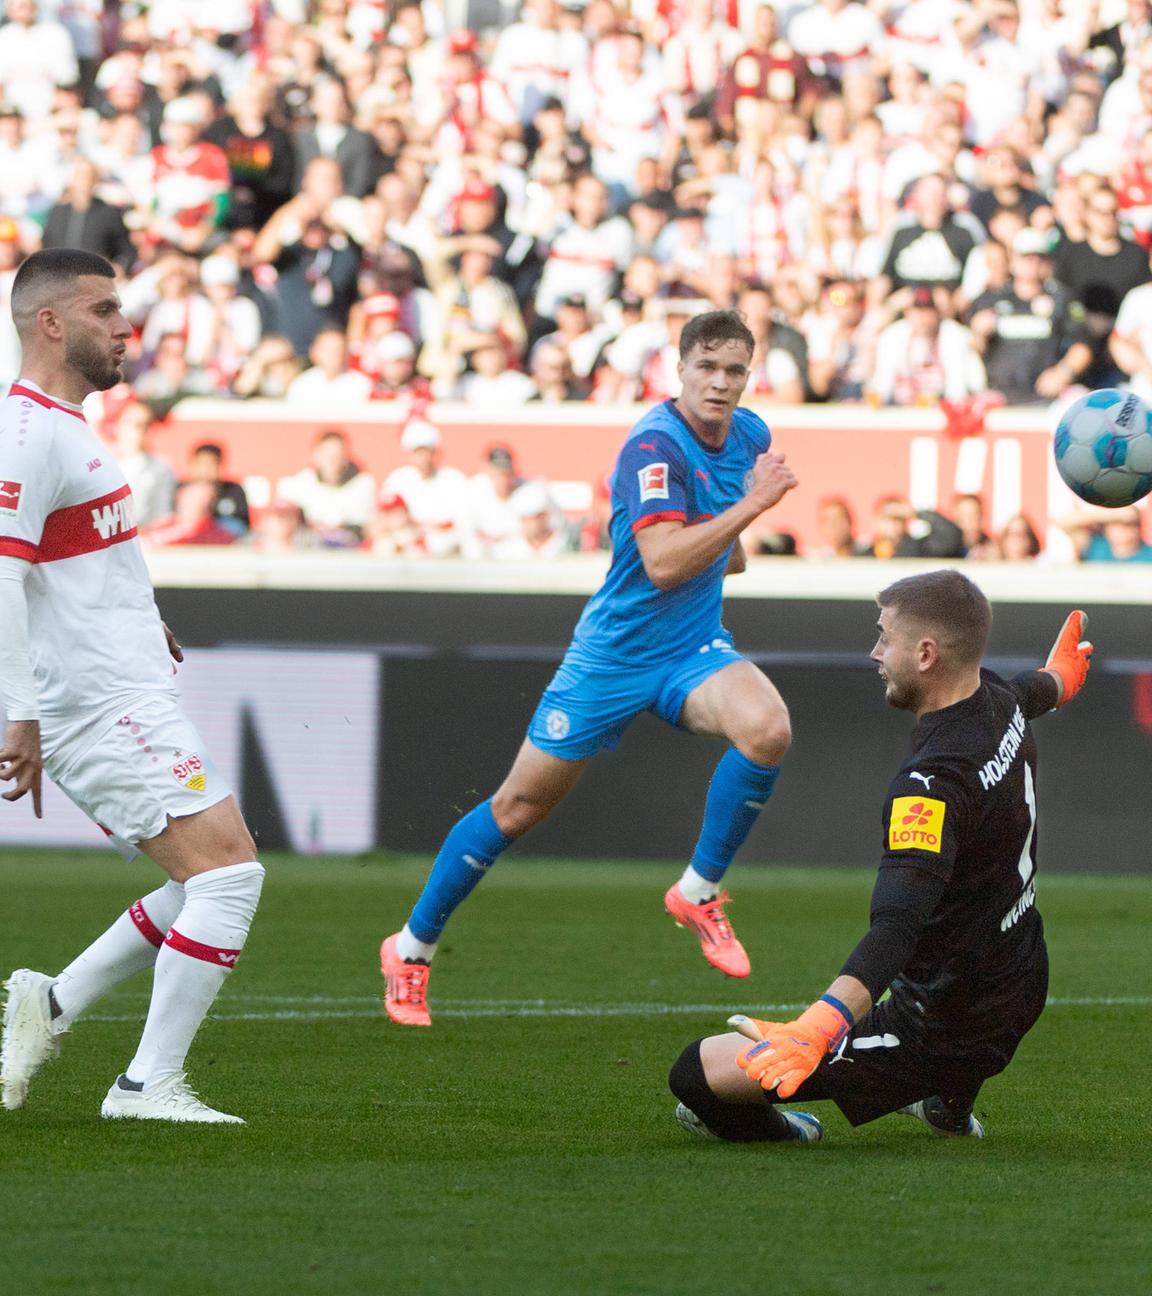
(713, 329)
(44, 276)
(55, 264)
(948, 604)
(209, 448)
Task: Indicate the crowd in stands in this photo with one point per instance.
(342, 201)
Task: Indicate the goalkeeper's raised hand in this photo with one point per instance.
(789, 1052)
(1070, 657)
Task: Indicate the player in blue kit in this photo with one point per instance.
(693, 474)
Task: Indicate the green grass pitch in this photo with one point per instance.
(526, 1144)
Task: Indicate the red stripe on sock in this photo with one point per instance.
(144, 925)
(225, 958)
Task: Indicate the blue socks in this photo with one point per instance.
(469, 851)
(738, 792)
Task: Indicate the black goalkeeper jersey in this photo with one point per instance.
(963, 807)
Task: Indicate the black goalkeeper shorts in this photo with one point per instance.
(890, 1059)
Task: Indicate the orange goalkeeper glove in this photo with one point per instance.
(1071, 656)
(791, 1051)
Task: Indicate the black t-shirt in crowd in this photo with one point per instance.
(963, 809)
(919, 256)
(261, 167)
(1030, 337)
(1101, 282)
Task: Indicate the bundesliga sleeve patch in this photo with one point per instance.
(917, 823)
(653, 482)
(10, 493)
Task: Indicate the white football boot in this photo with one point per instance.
(28, 1040)
(927, 1108)
(167, 1100)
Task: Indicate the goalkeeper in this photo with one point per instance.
(955, 935)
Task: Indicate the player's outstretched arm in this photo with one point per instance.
(1070, 658)
(673, 553)
(788, 1052)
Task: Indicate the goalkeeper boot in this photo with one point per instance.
(28, 1040)
(710, 923)
(687, 1119)
(940, 1119)
(170, 1099)
(405, 986)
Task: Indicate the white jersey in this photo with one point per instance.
(65, 507)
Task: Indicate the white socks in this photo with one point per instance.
(408, 947)
(129, 946)
(696, 888)
(201, 947)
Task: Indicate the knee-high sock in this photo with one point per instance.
(199, 951)
(469, 851)
(737, 793)
(755, 1122)
(129, 946)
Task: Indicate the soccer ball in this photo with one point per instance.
(1103, 448)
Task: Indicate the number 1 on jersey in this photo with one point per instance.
(1025, 865)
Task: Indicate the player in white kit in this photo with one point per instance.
(86, 680)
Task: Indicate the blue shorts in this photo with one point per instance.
(587, 707)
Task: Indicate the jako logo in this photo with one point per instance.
(115, 518)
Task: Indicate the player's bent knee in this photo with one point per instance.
(515, 814)
(767, 737)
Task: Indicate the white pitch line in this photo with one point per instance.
(364, 1008)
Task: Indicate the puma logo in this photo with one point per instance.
(926, 779)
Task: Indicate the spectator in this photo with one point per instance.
(36, 55)
(540, 534)
(393, 534)
(1003, 186)
(170, 378)
(330, 381)
(923, 358)
(837, 529)
(436, 496)
(768, 70)
(229, 500)
(841, 343)
(491, 383)
(1018, 540)
(234, 325)
(25, 176)
(930, 248)
(588, 252)
(261, 159)
(536, 58)
(553, 376)
(1030, 333)
(332, 135)
(968, 514)
(189, 180)
(1099, 272)
(269, 372)
(151, 478)
(281, 528)
(490, 517)
(1118, 538)
(899, 531)
(81, 220)
(390, 360)
(336, 497)
(780, 358)
(192, 521)
(317, 264)
(474, 300)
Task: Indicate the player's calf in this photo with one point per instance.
(703, 1112)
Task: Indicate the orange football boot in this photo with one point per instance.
(710, 923)
(405, 987)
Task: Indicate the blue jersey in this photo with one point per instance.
(666, 474)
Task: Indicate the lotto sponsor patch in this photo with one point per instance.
(653, 482)
(189, 771)
(10, 493)
(917, 823)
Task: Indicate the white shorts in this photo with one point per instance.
(146, 767)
